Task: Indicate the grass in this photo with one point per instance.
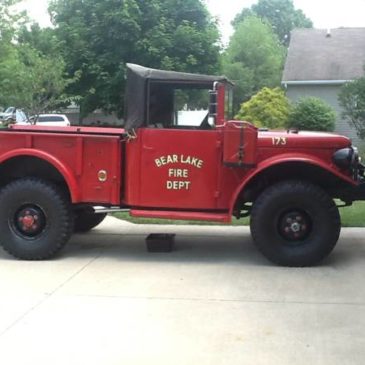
(353, 216)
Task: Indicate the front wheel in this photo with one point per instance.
(295, 223)
(36, 219)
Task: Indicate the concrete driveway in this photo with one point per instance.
(214, 300)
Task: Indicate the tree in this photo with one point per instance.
(44, 40)
(254, 59)
(268, 108)
(32, 81)
(312, 114)
(12, 73)
(45, 81)
(9, 20)
(281, 14)
(31, 78)
(99, 37)
(10, 64)
(352, 100)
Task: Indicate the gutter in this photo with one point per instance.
(314, 82)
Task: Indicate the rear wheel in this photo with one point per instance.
(36, 220)
(295, 223)
(86, 220)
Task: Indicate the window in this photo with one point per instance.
(52, 118)
(179, 107)
(10, 110)
(228, 109)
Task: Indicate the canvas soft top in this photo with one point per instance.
(138, 92)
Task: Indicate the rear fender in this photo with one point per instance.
(57, 164)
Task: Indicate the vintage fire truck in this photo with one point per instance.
(170, 161)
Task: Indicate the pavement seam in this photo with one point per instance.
(49, 295)
(217, 300)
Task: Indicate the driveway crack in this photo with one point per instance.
(49, 295)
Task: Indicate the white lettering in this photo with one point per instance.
(178, 185)
(178, 173)
(157, 162)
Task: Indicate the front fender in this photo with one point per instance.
(57, 164)
(282, 159)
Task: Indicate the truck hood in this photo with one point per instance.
(302, 139)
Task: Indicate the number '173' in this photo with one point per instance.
(278, 141)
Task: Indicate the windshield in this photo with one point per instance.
(228, 108)
(10, 110)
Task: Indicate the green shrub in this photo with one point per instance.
(312, 114)
(268, 108)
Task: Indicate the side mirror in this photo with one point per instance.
(213, 103)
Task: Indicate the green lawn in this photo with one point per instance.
(353, 216)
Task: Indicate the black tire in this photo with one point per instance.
(36, 219)
(86, 220)
(295, 223)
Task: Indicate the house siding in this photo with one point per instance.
(328, 93)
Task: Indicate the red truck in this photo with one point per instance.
(173, 162)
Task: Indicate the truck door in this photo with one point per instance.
(178, 150)
(179, 168)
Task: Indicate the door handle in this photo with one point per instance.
(148, 148)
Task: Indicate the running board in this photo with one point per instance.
(100, 210)
(167, 214)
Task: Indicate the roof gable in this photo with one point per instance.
(318, 55)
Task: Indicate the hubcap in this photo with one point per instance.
(29, 221)
(294, 225)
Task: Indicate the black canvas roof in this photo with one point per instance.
(138, 80)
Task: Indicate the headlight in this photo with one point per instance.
(346, 157)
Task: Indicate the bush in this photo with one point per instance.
(312, 114)
(268, 108)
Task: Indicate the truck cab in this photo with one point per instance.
(180, 155)
(174, 155)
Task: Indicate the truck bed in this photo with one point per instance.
(87, 159)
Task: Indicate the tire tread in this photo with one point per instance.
(64, 206)
(317, 194)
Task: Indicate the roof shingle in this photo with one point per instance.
(314, 55)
